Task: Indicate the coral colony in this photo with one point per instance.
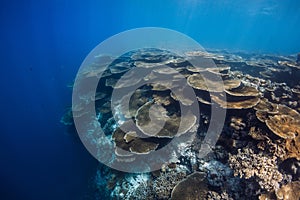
(257, 154)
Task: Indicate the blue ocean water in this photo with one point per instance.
(42, 45)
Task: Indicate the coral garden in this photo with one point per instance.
(257, 154)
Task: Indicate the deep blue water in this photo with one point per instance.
(42, 45)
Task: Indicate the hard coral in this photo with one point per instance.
(284, 126)
(131, 143)
(153, 120)
(193, 187)
(247, 164)
(167, 180)
(133, 187)
(238, 103)
(291, 191)
(283, 122)
(276, 148)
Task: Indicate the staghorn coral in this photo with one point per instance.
(248, 164)
(142, 186)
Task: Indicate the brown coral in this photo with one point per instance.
(247, 164)
(245, 91)
(167, 180)
(283, 122)
(290, 191)
(182, 96)
(153, 120)
(125, 138)
(238, 104)
(206, 82)
(193, 187)
(284, 126)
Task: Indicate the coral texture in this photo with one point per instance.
(264, 169)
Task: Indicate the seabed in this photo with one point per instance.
(257, 153)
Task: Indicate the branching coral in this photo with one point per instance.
(167, 180)
(248, 164)
(276, 148)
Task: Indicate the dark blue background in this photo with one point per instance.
(42, 45)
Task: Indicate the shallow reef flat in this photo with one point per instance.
(256, 155)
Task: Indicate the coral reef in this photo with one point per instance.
(258, 152)
(132, 187)
(264, 169)
(290, 191)
(193, 187)
(167, 180)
